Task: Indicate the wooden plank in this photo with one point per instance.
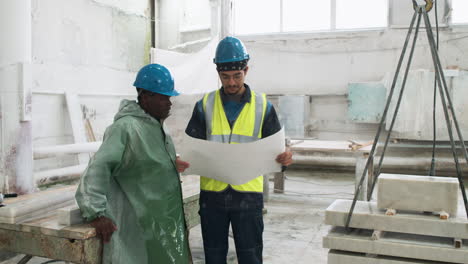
(86, 251)
(76, 120)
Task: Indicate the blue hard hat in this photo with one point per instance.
(230, 49)
(157, 79)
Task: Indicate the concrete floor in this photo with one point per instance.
(293, 224)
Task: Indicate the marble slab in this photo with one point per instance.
(344, 257)
(418, 193)
(36, 204)
(70, 215)
(49, 226)
(366, 215)
(396, 245)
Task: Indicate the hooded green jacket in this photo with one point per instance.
(133, 180)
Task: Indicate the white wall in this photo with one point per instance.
(323, 64)
(84, 47)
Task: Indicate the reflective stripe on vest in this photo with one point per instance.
(246, 128)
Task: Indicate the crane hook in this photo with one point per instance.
(429, 4)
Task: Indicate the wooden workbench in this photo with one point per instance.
(44, 237)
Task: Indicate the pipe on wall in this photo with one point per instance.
(226, 15)
(59, 175)
(53, 151)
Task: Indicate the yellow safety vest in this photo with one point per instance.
(246, 128)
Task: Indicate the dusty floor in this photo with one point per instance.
(293, 224)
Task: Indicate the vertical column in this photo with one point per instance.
(361, 161)
(215, 18)
(15, 97)
(279, 182)
(226, 18)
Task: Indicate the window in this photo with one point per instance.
(459, 14)
(258, 16)
(361, 14)
(276, 16)
(306, 15)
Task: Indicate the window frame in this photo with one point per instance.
(391, 24)
(452, 24)
(332, 28)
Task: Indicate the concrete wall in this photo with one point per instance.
(184, 25)
(322, 65)
(91, 48)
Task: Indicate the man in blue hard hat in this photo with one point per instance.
(130, 192)
(233, 114)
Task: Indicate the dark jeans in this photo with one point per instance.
(244, 212)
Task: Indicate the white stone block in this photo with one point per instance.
(396, 245)
(366, 215)
(343, 257)
(70, 215)
(418, 193)
(38, 204)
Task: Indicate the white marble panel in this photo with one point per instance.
(343, 257)
(70, 215)
(366, 215)
(396, 245)
(36, 204)
(418, 193)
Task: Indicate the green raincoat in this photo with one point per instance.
(133, 180)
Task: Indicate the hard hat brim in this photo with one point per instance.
(172, 93)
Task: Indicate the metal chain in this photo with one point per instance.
(382, 120)
(439, 75)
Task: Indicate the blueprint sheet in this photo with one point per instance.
(234, 164)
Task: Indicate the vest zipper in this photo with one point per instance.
(233, 123)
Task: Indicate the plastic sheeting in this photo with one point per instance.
(194, 73)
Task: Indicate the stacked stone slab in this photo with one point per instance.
(415, 234)
(39, 204)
